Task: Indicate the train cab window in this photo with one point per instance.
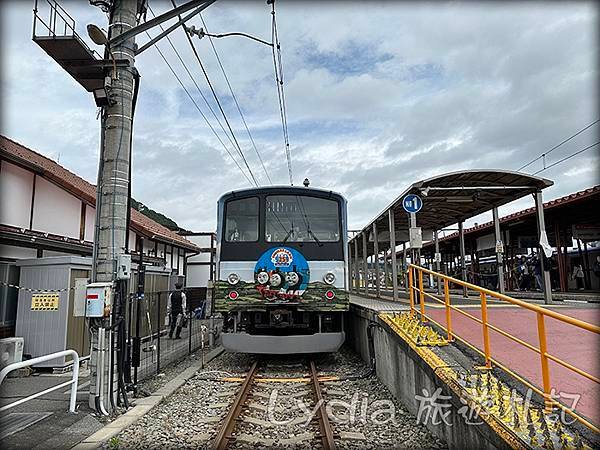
(241, 222)
(298, 218)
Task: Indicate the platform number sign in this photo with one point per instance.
(412, 203)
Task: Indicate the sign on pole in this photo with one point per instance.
(412, 203)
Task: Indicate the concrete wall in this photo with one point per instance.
(406, 374)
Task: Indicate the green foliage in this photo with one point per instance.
(156, 216)
(114, 442)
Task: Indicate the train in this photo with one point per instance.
(281, 279)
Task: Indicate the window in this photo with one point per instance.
(297, 218)
(241, 222)
(9, 273)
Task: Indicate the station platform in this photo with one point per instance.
(575, 346)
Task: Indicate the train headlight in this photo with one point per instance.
(275, 280)
(292, 278)
(233, 295)
(262, 277)
(329, 278)
(329, 295)
(233, 278)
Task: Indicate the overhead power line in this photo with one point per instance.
(572, 155)
(235, 99)
(543, 155)
(193, 47)
(199, 110)
(196, 85)
(278, 68)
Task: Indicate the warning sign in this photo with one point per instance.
(44, 302)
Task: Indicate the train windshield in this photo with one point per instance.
(242, 220)
(297, 218)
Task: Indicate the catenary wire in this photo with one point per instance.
(572, 155)
(194, 81)
(216, 98)
(278, 68)
(235, 100)
(558, 145)
(199, 110)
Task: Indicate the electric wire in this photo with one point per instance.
(543, 155)
(216, 98)
(278, 68)
(199, 110)
(195, 83)
(572, 155)
(235, 99)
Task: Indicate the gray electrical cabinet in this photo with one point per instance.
(49, 318)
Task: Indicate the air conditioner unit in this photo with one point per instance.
(11, 351)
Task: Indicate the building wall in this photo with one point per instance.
(90, 223)
(55, 210)
(14, 252)
(16, 186)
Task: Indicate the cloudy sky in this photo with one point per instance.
(379, 95)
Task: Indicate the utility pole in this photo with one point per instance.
(113, 199)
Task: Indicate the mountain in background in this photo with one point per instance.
(156, 216)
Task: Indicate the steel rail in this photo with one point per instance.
(224, 435)
(324, 424)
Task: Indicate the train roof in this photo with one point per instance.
(282, 190)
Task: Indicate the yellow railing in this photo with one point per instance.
(541, 313)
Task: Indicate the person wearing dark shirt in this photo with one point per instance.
(175, 309)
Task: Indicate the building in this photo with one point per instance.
(48, 211)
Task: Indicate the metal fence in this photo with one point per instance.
(150, 347)
(418, 305)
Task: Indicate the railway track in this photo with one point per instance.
(227, 436)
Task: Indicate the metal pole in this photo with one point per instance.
(539, 207)
(113, 175)
(365, 263)
(393, 250)
(499, 246)
(405, 266)
(376, 260)
(461, 236)
(356, 271)
(437, 260)
(385, 270)
(158, 331)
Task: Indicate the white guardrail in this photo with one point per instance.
(39, 359)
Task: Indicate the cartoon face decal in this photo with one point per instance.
(282, 273)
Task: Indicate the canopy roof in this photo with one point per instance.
(451, 198)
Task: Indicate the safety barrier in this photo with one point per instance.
(31, 362)
(484, 293)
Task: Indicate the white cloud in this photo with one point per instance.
(379, 96)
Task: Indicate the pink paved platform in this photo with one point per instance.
(573, 345)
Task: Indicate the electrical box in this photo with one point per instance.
(416, 237)
(98, 299)
(124, 267)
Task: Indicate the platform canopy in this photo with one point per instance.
(451, 198)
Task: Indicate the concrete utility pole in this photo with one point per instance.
(113, 197)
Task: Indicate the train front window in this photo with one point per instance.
(241, 223)
(297, 218)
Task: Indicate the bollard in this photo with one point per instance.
(211, 332)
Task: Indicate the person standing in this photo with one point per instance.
(175, 309)
(578, 276)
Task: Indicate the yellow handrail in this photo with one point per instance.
(484, 293)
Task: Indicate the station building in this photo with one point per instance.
(47, 216)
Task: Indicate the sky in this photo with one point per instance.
(379, 95)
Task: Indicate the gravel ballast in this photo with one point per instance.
(278, 414)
